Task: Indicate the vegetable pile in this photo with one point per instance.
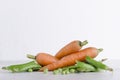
(69, 59)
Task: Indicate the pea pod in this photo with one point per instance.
(29, 66)
(84, 67)
(97, 64)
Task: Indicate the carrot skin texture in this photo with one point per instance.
(71, 47)
(72, 58)
(45, 59)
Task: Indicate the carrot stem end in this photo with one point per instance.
(83, 43)
(100, 50)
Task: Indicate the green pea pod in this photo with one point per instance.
(84, 67)
(78, 67)
(97, 64)
(23, 67)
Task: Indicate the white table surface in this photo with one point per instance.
(104, 75)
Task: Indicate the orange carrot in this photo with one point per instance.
(72, 47)
(43, 58)
(72, 58)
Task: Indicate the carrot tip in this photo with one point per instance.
(83, 43)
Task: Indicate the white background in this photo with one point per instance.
(32, 26)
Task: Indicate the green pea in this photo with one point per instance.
(63, 72)
(30, 70)
(45, 71)
(72, 70)
(66, 71)
(56, 72)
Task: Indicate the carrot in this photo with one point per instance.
(72, 58)
(43, 58)
(71, 47)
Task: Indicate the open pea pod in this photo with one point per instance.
(29, 66)
(84, 67)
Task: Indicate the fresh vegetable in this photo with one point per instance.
(45, 71)
(29, 66)
(97, 64)
(84, 67)
(72, 47)
(43, 58)
(69, 59)
(72, 58)
(57, 71)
